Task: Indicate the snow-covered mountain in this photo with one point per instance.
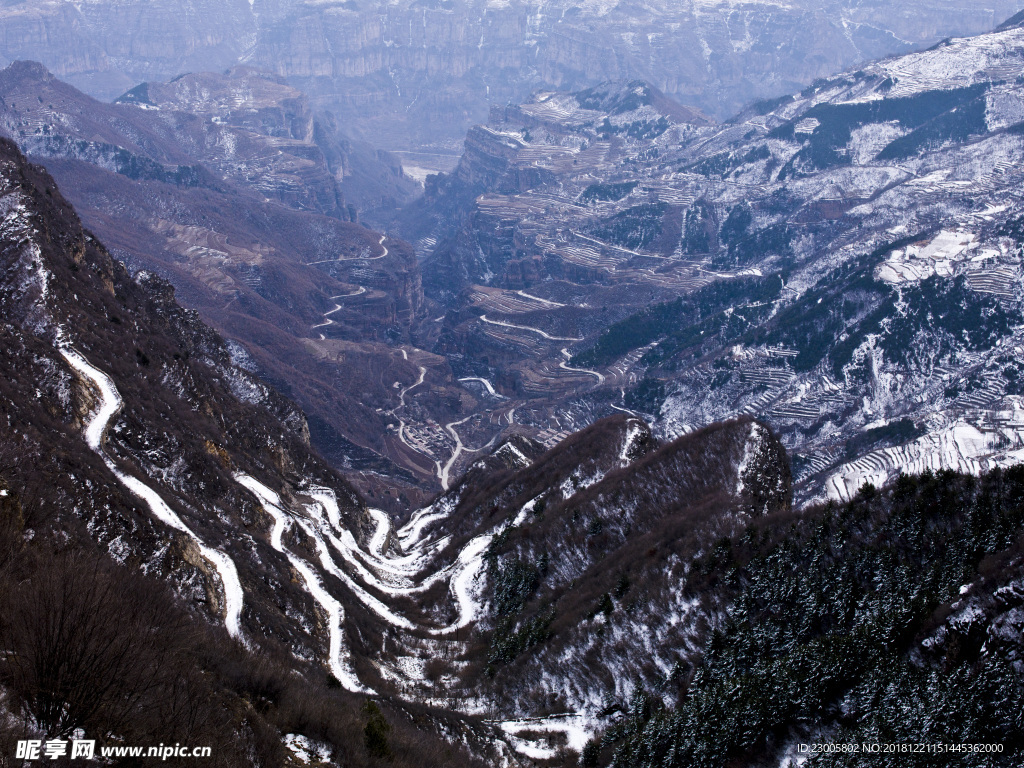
(138, 454)
(844, 263)
(808, 302)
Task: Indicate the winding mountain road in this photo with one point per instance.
(327, 319)
(545, 334)
(109, 404)
(381, 255)
(373, 567)
(564, 365)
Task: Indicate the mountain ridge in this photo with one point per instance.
(766, 265)
(389, 68)
(576, 604)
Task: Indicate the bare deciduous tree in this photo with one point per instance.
(82, 640)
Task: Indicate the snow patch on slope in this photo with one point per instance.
(960, 446)
(634, 428)
(919, 262)
(750, 450)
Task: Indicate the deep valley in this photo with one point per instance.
(664, 428)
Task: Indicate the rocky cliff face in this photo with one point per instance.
(410, 74)
(260, 128)
(109, 47)
(413, 63)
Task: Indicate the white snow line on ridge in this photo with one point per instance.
(748, 453)
(528, 507)
(110, 403)
(471, 560)
(515, 452)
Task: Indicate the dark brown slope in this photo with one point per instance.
(185, 196)
(181, 420)
(75, 543)
(580, 596)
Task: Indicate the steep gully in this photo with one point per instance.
(443, 470)
(376, 568)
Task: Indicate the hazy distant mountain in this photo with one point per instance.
(406, 73)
